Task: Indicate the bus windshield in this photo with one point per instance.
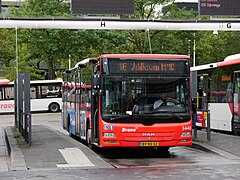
(128, 97)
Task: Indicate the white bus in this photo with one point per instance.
(46, 95)
(218, 91)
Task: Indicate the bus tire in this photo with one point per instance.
(69, 127)
(54, 107)
(163, 149)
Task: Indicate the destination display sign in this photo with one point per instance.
(140, 66)
(102, 7)
(219, 7)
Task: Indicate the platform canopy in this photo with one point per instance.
(118, 24)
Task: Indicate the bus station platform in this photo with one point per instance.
(49, 149)
(223, 144)
(53, 149)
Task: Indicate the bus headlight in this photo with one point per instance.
(109, 135)
(184, 134)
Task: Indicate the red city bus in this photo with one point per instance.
(218, 91)
(121, 101)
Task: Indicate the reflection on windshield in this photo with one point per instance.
(144, 95)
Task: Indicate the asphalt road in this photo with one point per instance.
(179, 163)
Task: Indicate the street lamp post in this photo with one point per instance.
(194, 50)
(16, 80)
(189, 47)
(69, 61)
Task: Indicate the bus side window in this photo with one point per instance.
(33, 94)
(9, 93)
(229, 92)
(1, 93)
(199, 97)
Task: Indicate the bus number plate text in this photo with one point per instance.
(149, 144)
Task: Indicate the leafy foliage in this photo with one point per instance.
(51, 49)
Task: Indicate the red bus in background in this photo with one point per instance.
(109, 101)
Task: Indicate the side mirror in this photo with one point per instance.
(96, 81)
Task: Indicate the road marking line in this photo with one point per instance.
(75, 158)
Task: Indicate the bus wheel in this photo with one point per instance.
(163, 149)
(236, 133)
(69, 127)
(54, 107)
(89, 138)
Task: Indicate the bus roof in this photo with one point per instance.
(205, 66)
(228, 61)
(46, 81)
(4, 81)
(145, 56)
(7, 82)
(83, 62)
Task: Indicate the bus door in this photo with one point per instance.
(202, 99)
(77, 110)
(236, 101)
(64, 105)
(95, 108)
(202, 91)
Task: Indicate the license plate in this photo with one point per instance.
(149, 144)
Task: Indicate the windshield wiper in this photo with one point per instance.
(120, 116)
(175, 115)
(166, 112)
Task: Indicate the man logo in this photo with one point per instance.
(149, 134)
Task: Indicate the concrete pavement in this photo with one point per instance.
(49, 149)
(52, 149)
(3, 152)
(223, 144)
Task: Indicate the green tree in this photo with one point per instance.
(7, 47)
(52, 47)
(30, 42)
(160, 41)
(213, 48)
(140, 41)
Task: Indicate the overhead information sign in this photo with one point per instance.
(219, 7)
(102, 7)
